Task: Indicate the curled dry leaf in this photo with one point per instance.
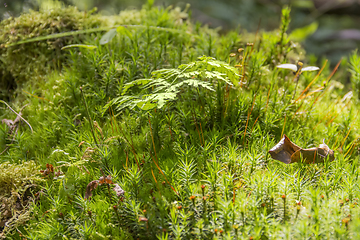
(119, 191)
(49, 169)
(143, 219)
(102, 180)
(288, 152)
(284, 150)
(90, 187)
(107, 180)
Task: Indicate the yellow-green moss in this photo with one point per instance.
(17, 185)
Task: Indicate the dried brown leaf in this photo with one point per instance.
(119, 191)
(103, 180)
(90, 187)
(143, 219)
(313, 155)
(325, 151)
(49, 169)
(107, 180)
(288, 152)
(283, 150)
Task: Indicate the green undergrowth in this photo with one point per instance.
(183, 121)
(28, 63)
(21, 63)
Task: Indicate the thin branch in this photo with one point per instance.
(18, 114)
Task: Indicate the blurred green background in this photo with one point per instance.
(327, 28)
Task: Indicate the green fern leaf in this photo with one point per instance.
(137, 82)
(166, 84)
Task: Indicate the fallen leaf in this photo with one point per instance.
(313, 155)
(90, 187)
(103, 180)
(283, 150)
(49, 169)
(325, 151)
(143, 219)
(288, 152)
(119, 191)
(107, 180)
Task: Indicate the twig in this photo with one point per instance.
(18, 114)
(14, 125)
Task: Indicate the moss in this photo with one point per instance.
(17, 183)
(33, 60)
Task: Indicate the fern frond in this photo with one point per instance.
(211, 65)
(166, 84)
(193, 83)
(138, 82)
